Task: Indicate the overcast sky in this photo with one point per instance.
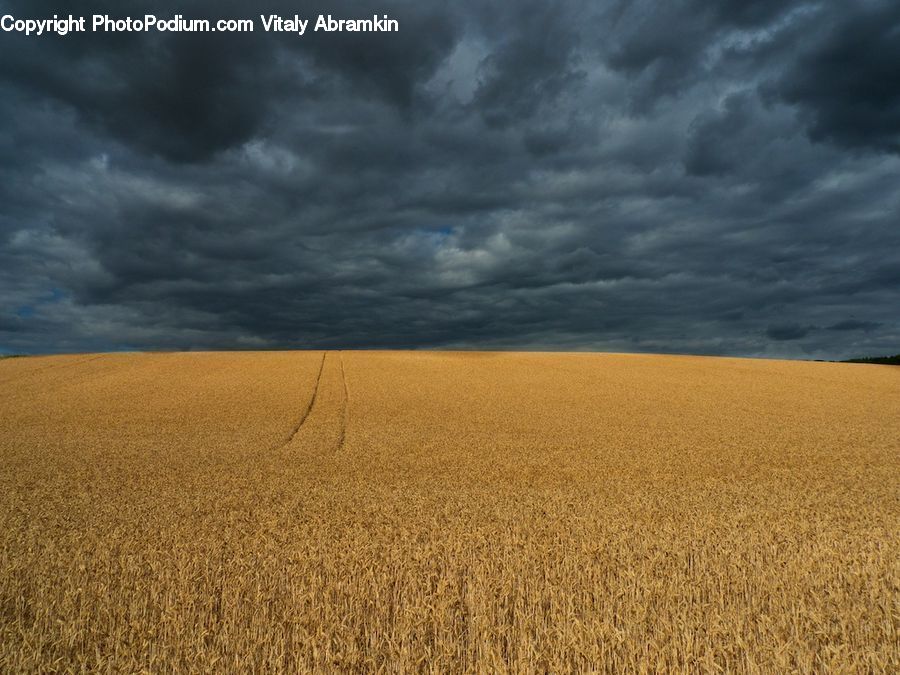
(715, 177)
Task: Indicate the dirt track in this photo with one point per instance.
(447, 511)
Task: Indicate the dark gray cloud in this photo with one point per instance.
(852, 324)
(788, 331)
(847, 85)
(639, 176)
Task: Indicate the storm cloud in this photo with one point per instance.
(705, 177)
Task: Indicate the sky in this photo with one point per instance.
(687, 176)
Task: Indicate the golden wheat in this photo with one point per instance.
(439, 512)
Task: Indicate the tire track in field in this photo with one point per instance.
(52, 366)
(307, 410)
(345, 408)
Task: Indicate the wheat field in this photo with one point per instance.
(447, 512)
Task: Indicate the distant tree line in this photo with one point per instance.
(881, 360)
